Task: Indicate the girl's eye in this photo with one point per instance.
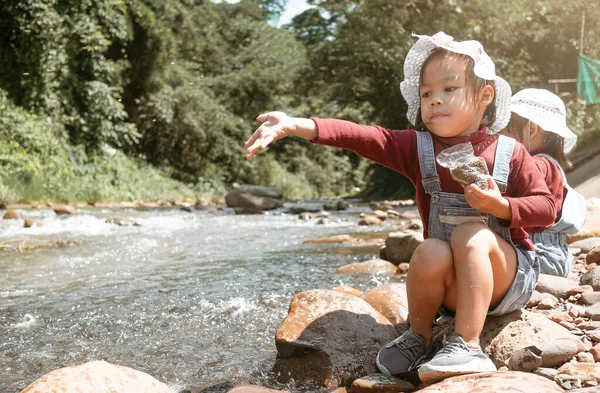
(425, 95)
(450, 88)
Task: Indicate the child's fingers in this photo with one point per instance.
(492, 183)
(251, 151)
(477, 191)
(262, 118)
(267, 141)
(253, 138)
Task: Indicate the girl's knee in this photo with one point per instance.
(433, 256)
(472, 235)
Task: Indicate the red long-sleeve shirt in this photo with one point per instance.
(553, 178)
(531, 204)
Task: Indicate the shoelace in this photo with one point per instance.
(450, 347)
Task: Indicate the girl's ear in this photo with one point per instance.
(534, 130)
(487, 95)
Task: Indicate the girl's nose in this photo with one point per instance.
(435, 102)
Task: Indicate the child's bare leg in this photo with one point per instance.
(485, 265)
(430, 277)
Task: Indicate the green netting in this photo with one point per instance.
(588, 79)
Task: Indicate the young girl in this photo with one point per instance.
(538, 121)
(476, 260)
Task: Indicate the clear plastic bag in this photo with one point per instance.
(464, 166)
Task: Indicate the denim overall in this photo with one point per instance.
(447, 210)
(551, 245)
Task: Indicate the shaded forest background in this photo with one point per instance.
(104, 100)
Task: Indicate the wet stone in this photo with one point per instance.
(379, 383)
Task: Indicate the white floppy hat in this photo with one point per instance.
(546, 110)
(484, 68)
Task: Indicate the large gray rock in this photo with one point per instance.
(241, 199)
(399, 246)
(330, 338)
(96, 377)
(264, 191)
(592, 277)
(500, 381)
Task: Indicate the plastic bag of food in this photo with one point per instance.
(464, 166)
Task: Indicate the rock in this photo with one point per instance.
(339, 205)
(586, 245)
(187, 209)
(262, 191)
(330, 239)
(583, 371)
(567, 381)
(247, 210)
(30, 223)
(592, 278)
(590, 298)
(503, 335)
(391, 301)
(588, 325)
(594, 335)
(593, 312)
(585, 357)
(369, 220)
(12, 215)
(379, 383)
(549, 373)
(304, 216)
(64, 209)
(580, 289)
(330, 338)
(560, 316)
(535, 298)
(414, 224)
(122, 222)
(525, 359)
(582, 235)
(96, 377)
(244, 199)
(403, 268)
(399, 246)
(380, 214)
(349, 290)
(303, 209)
(548, 302)
(374, 266)
(253, 389)
(557, 352)
(556, 286)
(593, 256)
(500, 381)
(595, 351)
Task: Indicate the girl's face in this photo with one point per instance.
(449, 106)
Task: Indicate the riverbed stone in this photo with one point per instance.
(590, 298)
(95, 377)
(349, 290)
(12, 215)
(380, 383)
(503, 335)
(246, 199)
(500, 381)
(374, 266)
(336, 239)
(254, 389)
(556, 286)
(592, 277)
(581, 235)
(399, 246)
(593, 256)
(330, 338)
(586, 245)
(64, 209)
(391, 301)
(593, 312)
(583, 371)
(369, 220)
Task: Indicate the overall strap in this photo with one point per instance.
(555, 161)
(429, 176)
(504, 152)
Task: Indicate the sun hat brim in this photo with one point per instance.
(547, 123)
(484, 68)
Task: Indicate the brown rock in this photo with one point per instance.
(380, 214)
(593, 312)
(313, 340)
(557, 352)
(585, 357)
(590, 266)
(30, 223)
(507, 381)
(330, 239)
(503, 335)
(548, 302)
(590, 298)
(592, 277)
(399, 246)
(369, 220)
(415, 224)
(97, 376)
(580, 289)
(534, 300)
(525, 359)
(246, 199)
(374, 266)
(589, 325)
(582, 235)
(586, 245)
(593, 256)
(122, 222)
(390, 300)
(254, 389)
(349, 290)
(556, 286)
(64, 209)
(403, 268)
(247, 211)
(12, 215)
(583, 371)
(379, 383)
(594, 335)
(595, 351)
(560, 316)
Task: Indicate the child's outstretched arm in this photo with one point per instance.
(277, 125)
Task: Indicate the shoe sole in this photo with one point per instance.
(381, 367)
(431, 375)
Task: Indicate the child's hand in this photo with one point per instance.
(275, 125)
(488, 201)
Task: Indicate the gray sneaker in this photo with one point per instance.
(455, 358)
(402, 355)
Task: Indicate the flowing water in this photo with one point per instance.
(193, 299)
